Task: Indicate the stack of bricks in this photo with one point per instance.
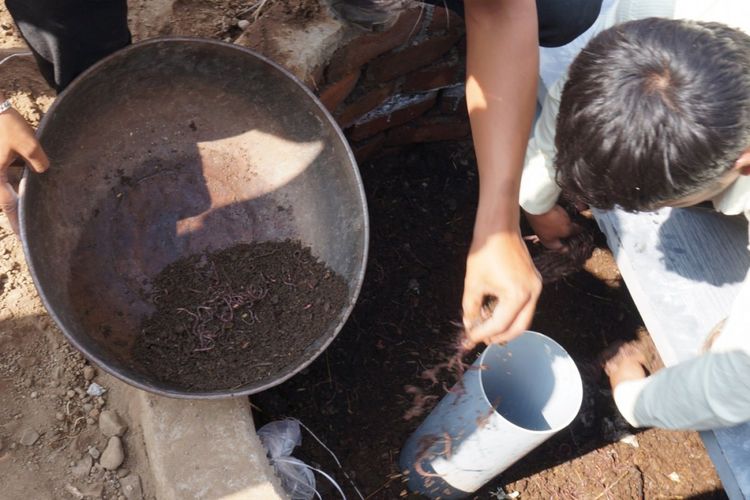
(400, 86)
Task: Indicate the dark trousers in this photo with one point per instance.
(68, 36)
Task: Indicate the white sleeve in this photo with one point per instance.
(706, 392)
(539, 191)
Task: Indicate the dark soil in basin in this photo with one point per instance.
(238, 316)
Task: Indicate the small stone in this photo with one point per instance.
(243, 24)
(95, 389)
(674, 477)
(94, 452)
(81, 393)
(87, 407)
(59, 416)
(82, 468)
(122, 473)
(111, 424)
(131, 487)
(88, 373)
(34, 395)
(69, 394)
(113, 454)
(90, 421)
(94, 413)
(29, 437)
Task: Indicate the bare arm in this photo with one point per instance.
(502, 69)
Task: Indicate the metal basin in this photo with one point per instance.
(168, 148)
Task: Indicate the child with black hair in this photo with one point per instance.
(656, 112)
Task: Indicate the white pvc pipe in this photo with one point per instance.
(512, 399)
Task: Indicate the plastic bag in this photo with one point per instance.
(280, 438)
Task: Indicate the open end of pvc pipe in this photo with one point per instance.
(532, 383)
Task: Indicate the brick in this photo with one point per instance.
(335, 93)
(453, 100)
(445, 74)
(429, 129)
(364, 150)
(365, 48)
(363, 105)
(396, 111)
(445, 20)
(395, 64)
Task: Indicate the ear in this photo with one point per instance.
(743, 163)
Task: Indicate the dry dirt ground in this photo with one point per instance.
(50, 441)
(48, 429)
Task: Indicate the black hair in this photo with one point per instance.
(653, 110)
(369, 14)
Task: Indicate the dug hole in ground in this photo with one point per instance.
(356, 396)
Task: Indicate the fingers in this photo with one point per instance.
(627, 364)
(9, 205)
(506, 320)
(35, 157)
(520, 325)
(31, 151)
(17, 137)
(626, 353)
(471, 303)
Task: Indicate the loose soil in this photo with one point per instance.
(359, 394)
(238, 316)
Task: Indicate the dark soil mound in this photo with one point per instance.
(237, 316)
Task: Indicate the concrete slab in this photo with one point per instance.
(205, 450)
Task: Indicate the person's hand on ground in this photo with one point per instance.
(16, 139)
(552, 227)
(499, 270)
(626, 364)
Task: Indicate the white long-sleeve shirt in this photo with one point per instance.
(711, 390)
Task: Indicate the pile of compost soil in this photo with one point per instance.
(237, 316)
